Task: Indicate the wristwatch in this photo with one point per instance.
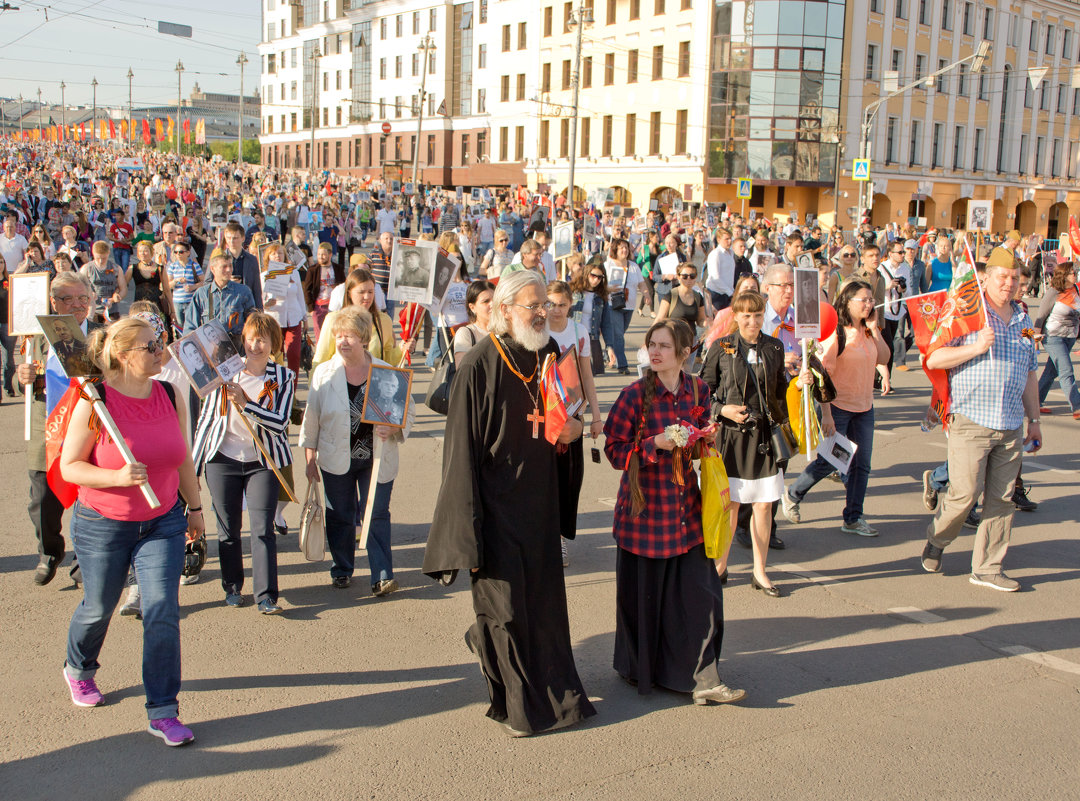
(1033, 419)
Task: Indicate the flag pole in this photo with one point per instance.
(982, 295)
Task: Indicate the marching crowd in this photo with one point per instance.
(140, 258)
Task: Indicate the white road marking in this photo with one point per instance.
(916, 614)
(1046, 660)
(799, 570)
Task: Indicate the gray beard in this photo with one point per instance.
(530, 338)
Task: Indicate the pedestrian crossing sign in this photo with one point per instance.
(742, 192)
(860, 170)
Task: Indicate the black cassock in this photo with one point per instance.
(498, 511)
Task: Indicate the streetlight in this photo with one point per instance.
(977, 59)
(242, 60)
(63, 106)
(93, 123)
(179, 72)
(20, 116)
(315, 56)
(131, 120)
(427, 46)
(578, 18)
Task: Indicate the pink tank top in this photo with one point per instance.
(152, 432)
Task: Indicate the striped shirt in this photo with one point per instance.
(989, 389)
(268, 414)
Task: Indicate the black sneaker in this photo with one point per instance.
(342, 582)
(1021, 500)
(972, 520)
(931, 558)
(45, 571)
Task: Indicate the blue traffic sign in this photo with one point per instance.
(743, 190)
(860, 170)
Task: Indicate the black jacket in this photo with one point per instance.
(726, 372)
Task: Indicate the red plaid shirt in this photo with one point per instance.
(670, 524)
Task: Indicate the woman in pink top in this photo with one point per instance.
(114, 527)
(851, 357)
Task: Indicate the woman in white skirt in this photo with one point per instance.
(745, 371)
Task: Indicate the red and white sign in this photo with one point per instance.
(386, 127)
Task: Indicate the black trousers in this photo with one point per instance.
(47, 514)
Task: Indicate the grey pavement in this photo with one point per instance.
(871, 679)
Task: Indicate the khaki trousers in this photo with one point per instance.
(979, 459)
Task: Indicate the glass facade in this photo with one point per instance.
(775, 90)
(362, 108)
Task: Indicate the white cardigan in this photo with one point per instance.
(326, 422)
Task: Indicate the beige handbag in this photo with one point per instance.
(312, 525)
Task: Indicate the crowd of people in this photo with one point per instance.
(140, 258)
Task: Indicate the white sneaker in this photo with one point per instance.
(859, 527)
(565, 553)
(790, 508)
(133, 604)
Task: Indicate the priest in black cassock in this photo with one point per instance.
(498, 516)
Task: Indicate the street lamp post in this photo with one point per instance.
(242, 60)
(579, 17)
(63, 107)
(427, 46)
(131, 119)
(20, 116)
(93, 122)
(179, 72)
(977, 59)
(315, 56)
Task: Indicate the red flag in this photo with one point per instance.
(1074, 237)
(409, 316)
(555, 416)
(82, 131)
(112, 128)
(146, 132)
(187, 131)
(55, 430)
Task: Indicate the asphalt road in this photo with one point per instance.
(871, 679)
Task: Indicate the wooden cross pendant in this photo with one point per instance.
(536, 419)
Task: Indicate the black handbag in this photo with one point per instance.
(617, 298)
(783, 441)
(438, 393)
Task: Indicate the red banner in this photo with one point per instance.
(555, 416)
(146, 132)
(187, 131)
(112, 129)
(55, 430)
(82, 131)
(159, 129)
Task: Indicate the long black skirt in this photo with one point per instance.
(670, 621)
(571, 464)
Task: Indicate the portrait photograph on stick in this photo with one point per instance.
(978, 214)
(447, 266)
(412, 271)
(195, 363)
(28, 297)
(563, 241)
(387, 398)
(220, 349)
(807, 303)
(69, 344)
(570, 380)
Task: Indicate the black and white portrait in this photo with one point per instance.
(563, 241)
(445, 266)
(412, 271)
(387, 399)
(218, 213)
(195, 363)
(219, 347)
(979, 215)
(807, 302)
(158, 200)
(68, 344)
(28, 296)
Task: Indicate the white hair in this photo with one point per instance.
(505, 293)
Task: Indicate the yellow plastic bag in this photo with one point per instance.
(795, 398)
(715, 504)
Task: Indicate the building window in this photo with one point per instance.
(875, 6)
(961, 80)
(564, 138)
(1040, 148)
(415, 64)
(915, 143)
(968, 27)
(935, 146)
(464, 149)
(416, 23)
(338, 115)
(1076, 102)
(605, 137)
(586, 126)
(483, 11)
(481, 101)
(946, 15)
(610, 18)
(568, 10)
(1049, 40)
(871, 62)
(631, 135)
(1066, 45)
(521, 36)
(545, 78)
(890, 140)
(398, 26)
(519, 143)
(382, 69)
(397, 66)
(481, 56)
(566, 74)
(433, 19)
(382, 28)
(1061, 98)
(504, 144)
(901, 9)
(684, 59)
(686, 5)
(632, 66)
(924, 12)
(586, 72)
(1023, 167)
(657, 62)
(988, 23)
(635, 9)
(658, 7)
(1033, 36)
(977, 154)
(681, 117)
(609, 69)
(1044, 96)
(481, 145)
(1029, 95)
(397, 107)
(545, 131)
(958, 148)
(920, 68)
(547, 21)
(898, 61)
(504, 89)
(654, 134)
(521, 86)
(506, 38)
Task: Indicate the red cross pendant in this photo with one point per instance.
(536, 419)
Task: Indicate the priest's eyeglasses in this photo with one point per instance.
(535, 308)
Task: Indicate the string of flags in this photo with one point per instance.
(163, 130)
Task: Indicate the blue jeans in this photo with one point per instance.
(859, 428)
(346, 496)
(106, 549)
(939, 477)
(1059, 366)
(7, 354)
(123, 258)
(620, 321)
(436, 349)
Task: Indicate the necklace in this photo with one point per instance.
(536, 418)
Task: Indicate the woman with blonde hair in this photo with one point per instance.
(114, 528)
(360, 292)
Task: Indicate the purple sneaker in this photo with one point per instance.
(171, 730)
(84, 693)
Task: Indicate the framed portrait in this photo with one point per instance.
(807, 301)
(447, 266)
(219, 348)
(196, 364)
(563, 241)
(570, 378)
(476, 194)
(122, 178)
(408, 189)
(978, 215)
(28, 297)
(412, 271)
(219, 214)
(386, 401)
(294, 254)
(589, 226)
(677, 205)
(69, 345)
(395, 187)
(460, 192)
(86, 188)
(157, 200)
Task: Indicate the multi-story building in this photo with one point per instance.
(678, 99)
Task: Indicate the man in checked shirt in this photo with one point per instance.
(992, 386)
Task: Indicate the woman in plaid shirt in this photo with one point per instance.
(669, 622)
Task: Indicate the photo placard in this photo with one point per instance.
(386, 401)
(412, 271)
(807, 301)
(28, 297)
(69, 344)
